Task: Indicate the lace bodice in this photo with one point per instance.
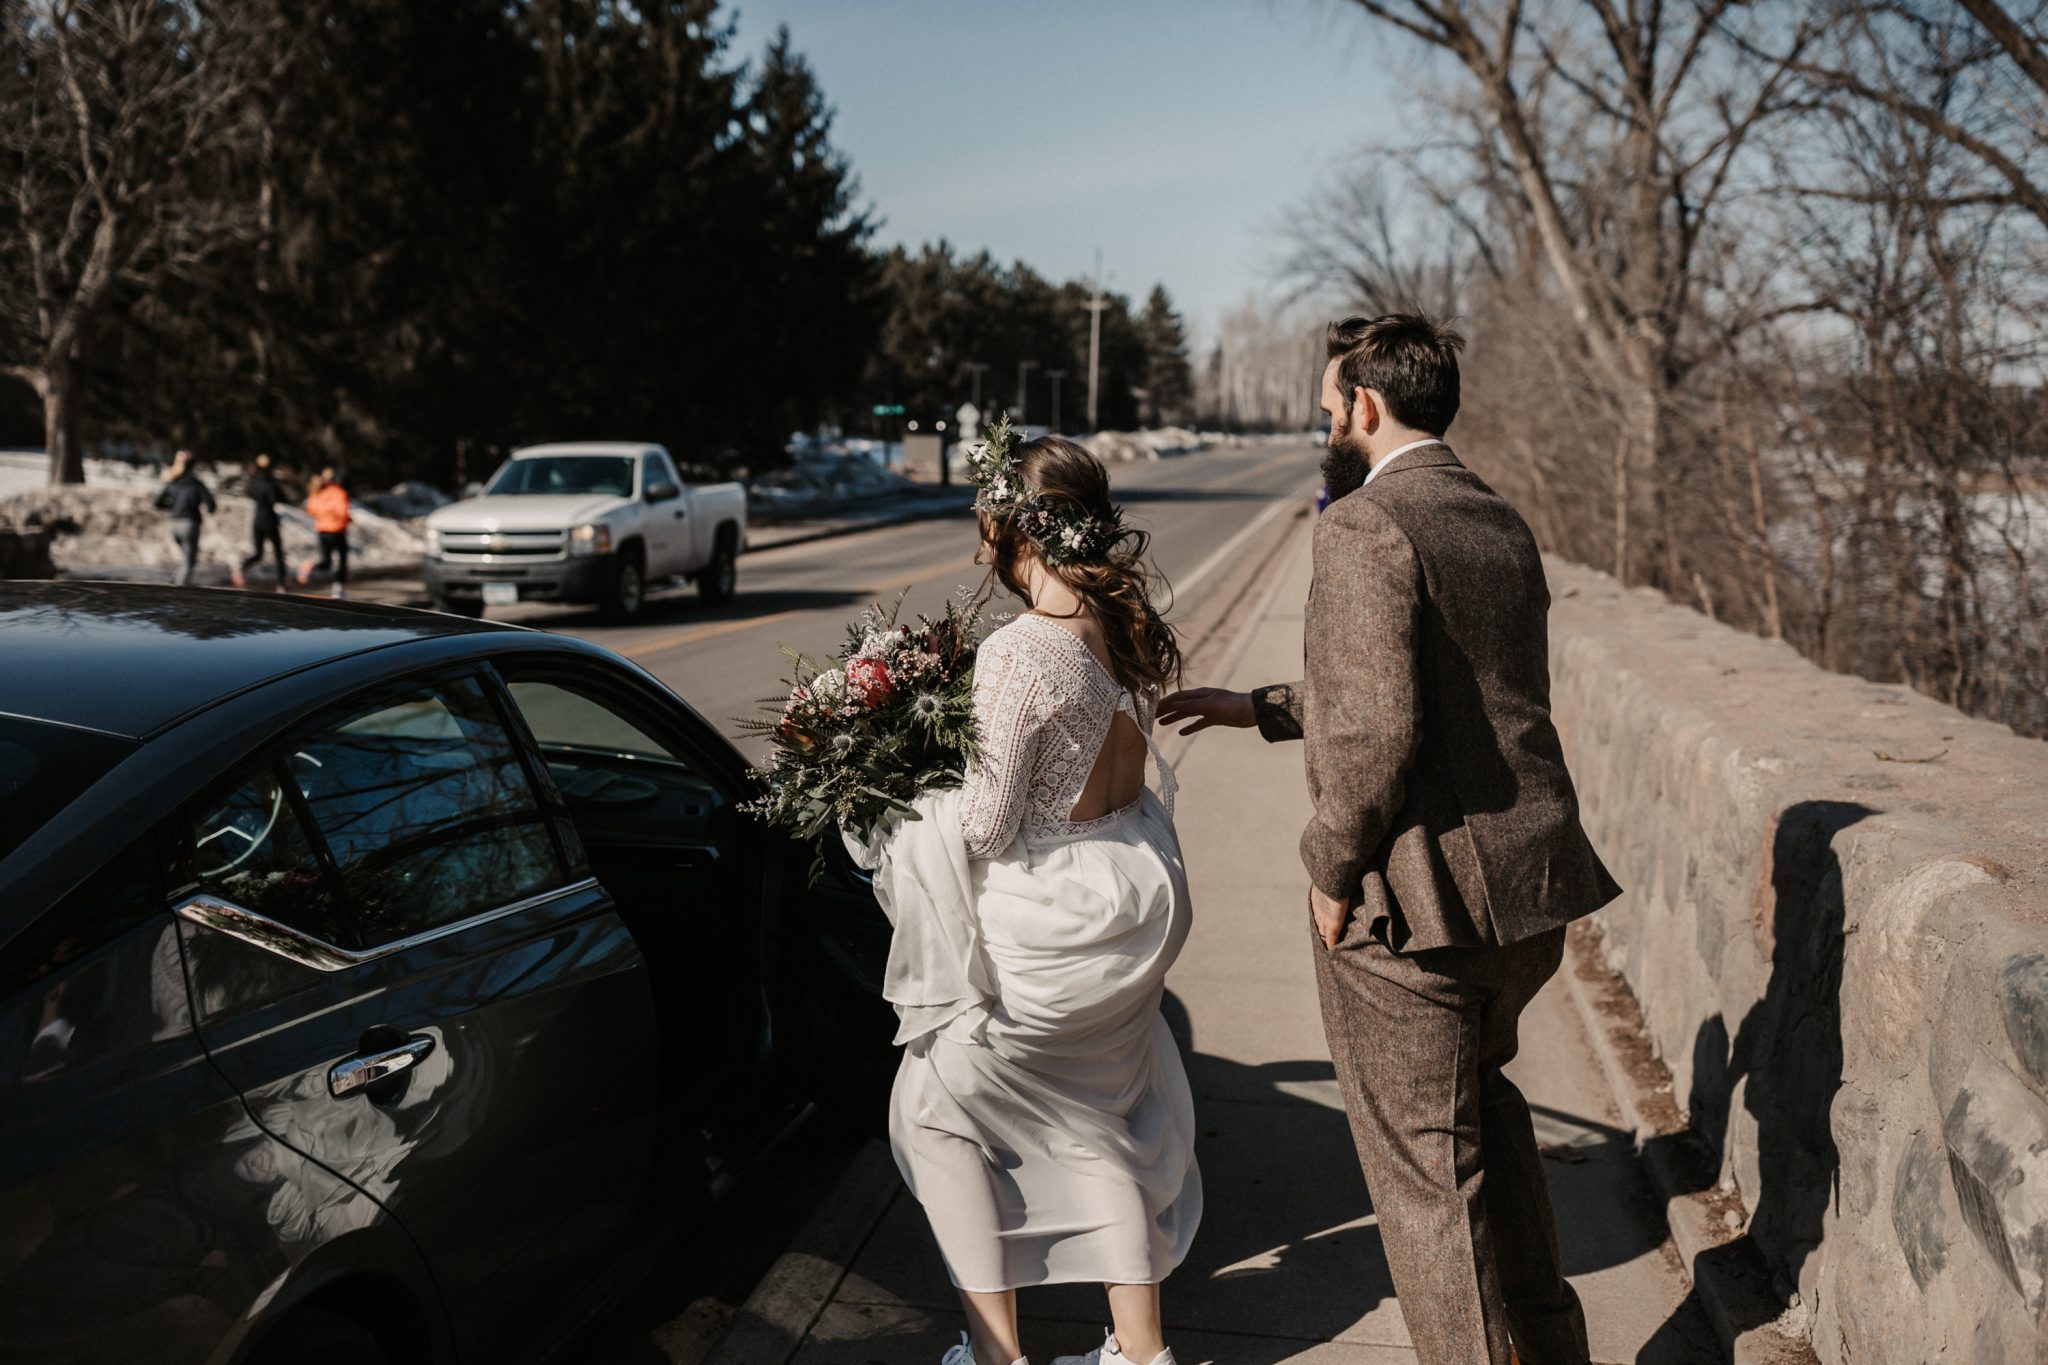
(1043, 704)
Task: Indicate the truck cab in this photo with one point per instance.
(585, 522)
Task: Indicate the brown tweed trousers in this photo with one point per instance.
(1443, 811)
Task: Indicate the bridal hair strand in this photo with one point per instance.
(1114, 581)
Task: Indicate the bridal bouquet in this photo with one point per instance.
(863, 734)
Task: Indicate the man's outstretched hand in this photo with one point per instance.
(1207, 706)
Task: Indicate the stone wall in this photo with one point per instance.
(1837, 927)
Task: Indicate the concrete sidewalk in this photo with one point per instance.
(1288, 1264)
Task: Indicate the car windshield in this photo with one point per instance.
(608, 474)
(43, 768)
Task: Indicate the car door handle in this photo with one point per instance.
(360, 1072)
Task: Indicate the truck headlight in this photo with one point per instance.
(590, 540)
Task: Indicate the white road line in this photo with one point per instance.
(1286, 502)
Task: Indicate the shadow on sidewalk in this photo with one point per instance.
(1287, 1246)
(1288, 1255)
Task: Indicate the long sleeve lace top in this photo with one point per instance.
(1043, 705)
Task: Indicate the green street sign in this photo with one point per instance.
(888, 409)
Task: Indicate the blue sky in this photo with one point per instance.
(1173, 134)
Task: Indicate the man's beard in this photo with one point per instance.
(1344, 464)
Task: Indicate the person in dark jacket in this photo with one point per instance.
(265, 533)
(188, 501)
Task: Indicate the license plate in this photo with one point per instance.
(501, 594)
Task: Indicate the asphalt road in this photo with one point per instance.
(1203, 511)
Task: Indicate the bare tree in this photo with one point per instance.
(1621, 128)
(118, 119)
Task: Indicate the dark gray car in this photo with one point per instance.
(377, 985)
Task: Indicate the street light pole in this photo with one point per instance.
(1024, 368)
(975, 367)
(1055, 376)
(1095, 306)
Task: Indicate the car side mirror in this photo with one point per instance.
(663, 492)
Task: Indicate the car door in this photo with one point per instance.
(654, 797)
(143, 1216)
(670, 550)
(397, 954)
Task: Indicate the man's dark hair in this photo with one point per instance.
(1407, 359)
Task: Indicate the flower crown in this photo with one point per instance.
(1064, 534)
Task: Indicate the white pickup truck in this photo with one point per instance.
(584, 521)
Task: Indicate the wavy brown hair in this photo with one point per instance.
(1116, 584)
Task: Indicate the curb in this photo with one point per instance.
(1728, 1274)
(779, 1314)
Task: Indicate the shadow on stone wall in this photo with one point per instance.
(1785, 1060)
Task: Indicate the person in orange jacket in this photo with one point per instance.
(327, 502)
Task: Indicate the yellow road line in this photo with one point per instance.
(661, 644)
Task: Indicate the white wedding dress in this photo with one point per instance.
(1041, 1113)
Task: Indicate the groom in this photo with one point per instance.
(1445, 855)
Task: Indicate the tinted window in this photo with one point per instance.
(106, 905)
(428, 812)
(251, 848)
(43, 769)
(619, 781)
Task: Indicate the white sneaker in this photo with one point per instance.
(963, 1354)
(1108, 1354)
(338, 592)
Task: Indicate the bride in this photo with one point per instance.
(1050, 1133)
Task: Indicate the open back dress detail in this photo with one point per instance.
(1049, 1131)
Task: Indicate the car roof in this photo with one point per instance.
(634, 448)
(130, 658)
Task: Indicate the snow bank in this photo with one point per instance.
(120, 533)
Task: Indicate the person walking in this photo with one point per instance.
(1046, 1124)
(327, 502)
(188, 501)
(1445, 856)
(265, 532)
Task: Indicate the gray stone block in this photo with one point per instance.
(2023, 997)
(1996, 1133)
(1918, 1218)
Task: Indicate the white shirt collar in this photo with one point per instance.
(1398, 452)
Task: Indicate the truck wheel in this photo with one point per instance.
(471, 607)
(629, 589)
(720, 578)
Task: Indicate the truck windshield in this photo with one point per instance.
(607, 474)
(42, 768)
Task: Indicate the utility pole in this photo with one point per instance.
(975, 367)
(1095, 306)
(1024, 368)
(1055, 376)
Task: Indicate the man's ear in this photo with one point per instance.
(1365, 411)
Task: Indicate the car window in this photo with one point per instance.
(43, 768)
(619, 781)
(251, 847)
(653, 470)
(610, 475)
(427, 811)
(106, 905)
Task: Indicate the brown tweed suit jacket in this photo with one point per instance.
(1442, 806)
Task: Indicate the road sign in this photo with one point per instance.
(888, 409)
